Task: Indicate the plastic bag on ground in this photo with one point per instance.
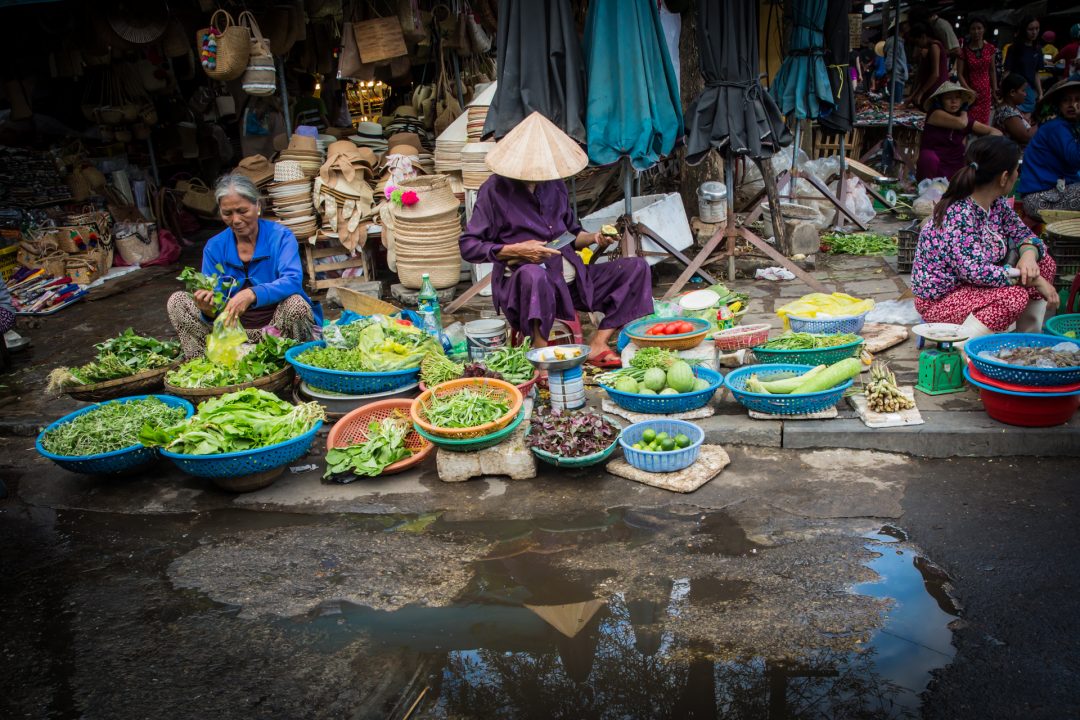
(895, 312)
(857, 200)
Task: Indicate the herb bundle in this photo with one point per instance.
(109, 427)
(266, 358)
(126, 354)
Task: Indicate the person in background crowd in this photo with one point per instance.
(1049, 50)
(263, 258)
(309, 110)
(900, 78)
(943, 31)
(1007, 116)
(961, 273)
(932, 61)
(1051, 178)
(977, 72)
(1025, 58)
(1070, 51)
(948, 124)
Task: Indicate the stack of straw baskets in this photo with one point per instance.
(426, 234)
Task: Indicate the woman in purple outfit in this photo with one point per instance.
(520, 209)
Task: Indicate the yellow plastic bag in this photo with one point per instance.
(224, 341)
(820, 305)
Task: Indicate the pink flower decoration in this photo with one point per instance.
(409, 198)
(388, 191)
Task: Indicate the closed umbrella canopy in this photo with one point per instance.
(733, 112)
(802, 87)
(837, 53)
(540, 68)
(634, 108)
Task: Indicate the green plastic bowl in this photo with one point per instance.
(1061, 324)
(815, 356)
(584, 460)
(473, 444)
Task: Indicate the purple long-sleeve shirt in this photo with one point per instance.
(506, 213)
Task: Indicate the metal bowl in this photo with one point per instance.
(540, 357)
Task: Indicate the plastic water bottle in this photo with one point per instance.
(430, 314)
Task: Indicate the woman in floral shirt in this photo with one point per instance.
(961, 272)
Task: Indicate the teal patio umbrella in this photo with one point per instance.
(802, 88)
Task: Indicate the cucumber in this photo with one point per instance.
(830, 377)
(788, 385)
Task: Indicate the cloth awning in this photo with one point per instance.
(633, 107)
(540, 68)
(733, 113)
(801, 87)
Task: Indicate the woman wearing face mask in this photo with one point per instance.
(977, 264)
(948, 125)
(976, 71)
(262, 259)
(1007, 116)
(1051, 177)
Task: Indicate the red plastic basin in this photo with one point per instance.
(1029, 411)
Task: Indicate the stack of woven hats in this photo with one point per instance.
(290, 197)
(474, 170)
(477, 117)
(305, 151)
(343, 193)
(425, 228)
(370, 135)
(258, 169)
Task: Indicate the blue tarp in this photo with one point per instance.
(633, 105)
(802, 88)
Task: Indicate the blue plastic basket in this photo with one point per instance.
(800, 404)
(117, 460)
(668, 404)
(472, 444)
(349, 383)
(839, 324)
(245, 462)
(584, 460)
(671, 461)
(1061, 324)
(814, 356)
(1017, 374)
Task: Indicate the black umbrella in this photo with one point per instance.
(733, 112)
(837, 49)
(540, 68)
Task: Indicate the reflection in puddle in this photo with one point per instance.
(531, 639)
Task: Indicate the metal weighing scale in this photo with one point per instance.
(941, 369)
(566, 380)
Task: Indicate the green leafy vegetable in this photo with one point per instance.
(859, 244)
(379, 346)
(464, 409)
(383, 446)
(644, 359)
(436, 368)
(808, 341)
(126, 354)
(511, 363)
(110, 427)
(194, 280)
(241, 420)
(266, 358)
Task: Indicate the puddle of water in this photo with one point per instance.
(530, 639)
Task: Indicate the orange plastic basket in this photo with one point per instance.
(352, 429)
(497, 389)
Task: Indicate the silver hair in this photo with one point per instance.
(236, 184)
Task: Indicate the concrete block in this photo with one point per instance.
(803, 237)
(510, 458)
(739, 429)
(710, 463)
(945, 434)
(409, 297)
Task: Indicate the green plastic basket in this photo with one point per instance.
(815, 356)
(584, 460)
(1061, 324)
(473, 444)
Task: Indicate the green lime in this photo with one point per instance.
(655, 446)
(637, 446)
(682, 441)
(661, 436)
(667, 444)
(649, 435)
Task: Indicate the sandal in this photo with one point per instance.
(606, 360)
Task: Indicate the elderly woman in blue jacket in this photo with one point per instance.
(262, 261)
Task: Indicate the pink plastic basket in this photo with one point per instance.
(737, 338)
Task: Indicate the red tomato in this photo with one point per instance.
(685, 327)
(671, 329)
(651, 330)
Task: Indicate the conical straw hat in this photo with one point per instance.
(536, 150)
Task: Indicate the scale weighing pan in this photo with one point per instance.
(940, 332)
(544, 358)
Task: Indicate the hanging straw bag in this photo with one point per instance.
(448, 108)
(199, 198)
(223, 51)
(260, 78)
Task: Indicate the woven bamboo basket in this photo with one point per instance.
(138, 384)
(411, 274)
(270, 383)
(489, 386)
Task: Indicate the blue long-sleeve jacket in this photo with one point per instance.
(1053, 153)
(274, 272)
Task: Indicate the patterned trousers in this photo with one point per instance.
(1068, 199)
(292, 318)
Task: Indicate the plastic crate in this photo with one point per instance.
(8, 261)
(906, 242)
(662, 462)
(801, 404)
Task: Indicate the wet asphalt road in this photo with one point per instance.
(1004, 531)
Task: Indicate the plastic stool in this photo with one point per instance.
(574, 326)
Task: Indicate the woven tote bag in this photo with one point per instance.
(224, 47)
(260, 77)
